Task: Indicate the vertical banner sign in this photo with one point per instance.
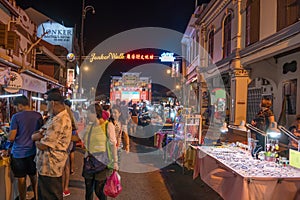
(173, 70)
(177, 69)
(70, 77)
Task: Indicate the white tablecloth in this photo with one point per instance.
(236, 176)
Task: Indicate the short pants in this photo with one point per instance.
(23, 166)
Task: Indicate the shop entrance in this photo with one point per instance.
(258, 88)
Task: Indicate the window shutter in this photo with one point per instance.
(11, 40)
(281, 14)
(3, 34)
(254, 21)
(292, 12)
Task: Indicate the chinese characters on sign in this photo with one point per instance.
(164, 57)
(120, 56)
(138, 56)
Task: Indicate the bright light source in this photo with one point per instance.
(86, 68)
(78, 100)
(273, 131)
(242, 126)
(172, 115)
(37, 98)
(168, 71)
(10, 95)
(224, 128)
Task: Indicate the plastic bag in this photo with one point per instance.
(113, 186)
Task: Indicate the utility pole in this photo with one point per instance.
(81, 46)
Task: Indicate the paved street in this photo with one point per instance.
(163, 184)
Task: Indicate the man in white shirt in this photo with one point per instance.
(52, 142)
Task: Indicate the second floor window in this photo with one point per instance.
(252, 21)
(288, 13)
(211, 46)
(227, 36)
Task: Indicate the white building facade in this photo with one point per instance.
(250, 49)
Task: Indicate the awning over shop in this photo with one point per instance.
(5, 63)
(33, 84)
(42, 76)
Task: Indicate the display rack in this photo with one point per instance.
(190, 133)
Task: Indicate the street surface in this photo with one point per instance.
(164, 184)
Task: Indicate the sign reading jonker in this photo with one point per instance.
(57, 34)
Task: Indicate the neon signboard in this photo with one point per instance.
(109, 56)
(167, 57)
(138, 56)
(120, 56)
(164, 57)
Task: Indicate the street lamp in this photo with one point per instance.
(168, 71)
(85, 9)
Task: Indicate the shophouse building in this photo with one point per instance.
(249, 49)
(52, 53)
(29, 64)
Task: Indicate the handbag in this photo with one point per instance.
(112, 187)
(91, 164)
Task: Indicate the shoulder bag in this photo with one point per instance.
(91, 164)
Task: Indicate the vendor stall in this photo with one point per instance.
(6, 181)
(234, 174)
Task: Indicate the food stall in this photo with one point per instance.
(235, 174)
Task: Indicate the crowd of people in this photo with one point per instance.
(43, 146)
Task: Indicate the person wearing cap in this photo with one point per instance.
(52, 142)
(23, 124)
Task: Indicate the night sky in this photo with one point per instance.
(113, 17)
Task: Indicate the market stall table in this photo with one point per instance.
(235, 175)
(6, 188)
